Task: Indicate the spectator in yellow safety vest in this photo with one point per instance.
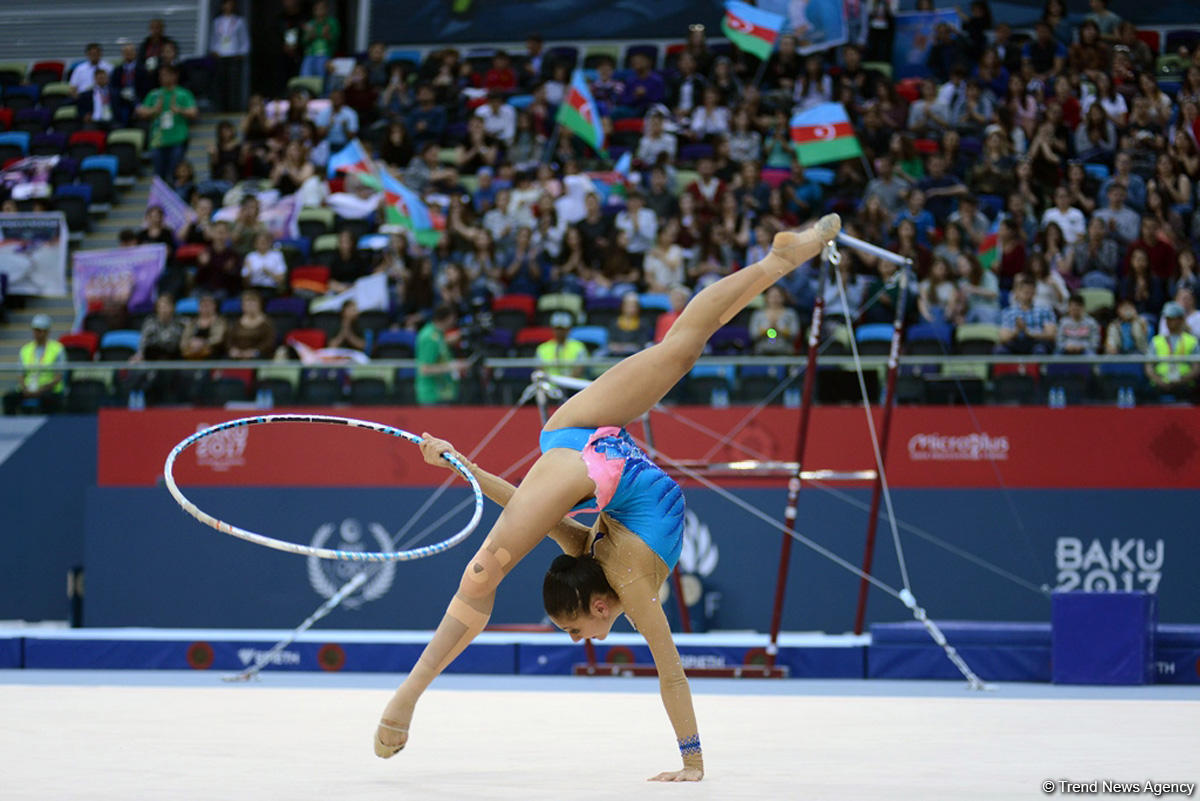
(558, 354)
(39, 391)
(1175, 378)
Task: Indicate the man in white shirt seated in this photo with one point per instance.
(499, 118)
(83, 76)
(1069, 219)
(638, 223)
(656, 141)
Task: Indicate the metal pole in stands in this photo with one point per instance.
(810, 374)
(889, 405)
(552, 143)
(761, 71)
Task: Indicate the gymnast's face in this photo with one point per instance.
(595, 625)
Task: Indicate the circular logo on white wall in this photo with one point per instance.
(327, 576)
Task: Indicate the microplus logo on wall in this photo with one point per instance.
(224, 449)
(966, 448)
(1108, 565)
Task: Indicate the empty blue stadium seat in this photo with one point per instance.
(874, 332)
(937, 332)
(594, 335)
(121, 339)
(106, 162)
(820, 175)
(654, 301)
(18, 139)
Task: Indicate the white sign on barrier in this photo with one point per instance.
(33, 253)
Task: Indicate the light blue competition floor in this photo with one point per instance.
(602, 684)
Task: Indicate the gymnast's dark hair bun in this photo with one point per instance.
(570, 584)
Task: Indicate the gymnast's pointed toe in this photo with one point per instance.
(828, 227)
(387, 750)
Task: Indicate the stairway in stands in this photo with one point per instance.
(126, 213)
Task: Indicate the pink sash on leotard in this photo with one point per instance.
(605, 471)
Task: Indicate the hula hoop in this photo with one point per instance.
(308, 550)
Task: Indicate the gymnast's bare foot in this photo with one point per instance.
(796, 247)
(392, 734)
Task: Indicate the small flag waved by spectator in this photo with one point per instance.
(351, 158)
(751, 29)
(579, 114)
(405, 208)
(823, 134)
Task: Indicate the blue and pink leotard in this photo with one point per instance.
(630, 488)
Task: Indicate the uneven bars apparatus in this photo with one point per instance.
(830, 258)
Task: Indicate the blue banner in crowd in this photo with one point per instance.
(816, 24)
(914, 36)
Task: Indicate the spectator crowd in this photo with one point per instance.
(1043, 183)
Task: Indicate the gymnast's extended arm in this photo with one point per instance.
(640, 602)
(570, 536)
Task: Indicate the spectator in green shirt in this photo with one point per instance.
(437, 370)
(169, 108)
(321, 36)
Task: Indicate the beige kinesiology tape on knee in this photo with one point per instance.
(483, 574)
(502, 554)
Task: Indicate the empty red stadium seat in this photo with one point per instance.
(312, 337)
(522, 303)
(909, 89)
(1152, 40)
(84, 341)
(535, 335)
(46, 72)
(188, 254)
(310, 278)
(85, 143)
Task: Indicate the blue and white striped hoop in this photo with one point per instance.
(307, 550)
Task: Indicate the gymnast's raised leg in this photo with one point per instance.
(558, 479)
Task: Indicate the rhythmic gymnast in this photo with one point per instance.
(589, 463)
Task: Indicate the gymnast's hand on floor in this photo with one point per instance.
(432, 449)
(685, 775)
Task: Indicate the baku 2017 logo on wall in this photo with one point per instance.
(328, 576)
(224, 449)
